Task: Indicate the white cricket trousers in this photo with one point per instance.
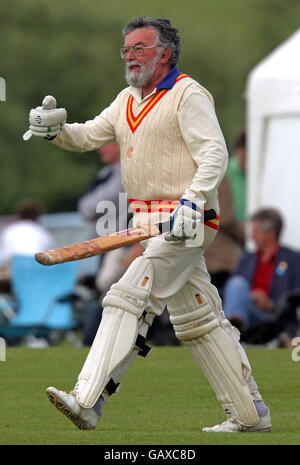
(175, 266)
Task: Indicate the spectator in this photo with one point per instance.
(106, 187)
(236, 173)
(253, 293)
(25, 236)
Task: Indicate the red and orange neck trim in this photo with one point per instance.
(135, 121)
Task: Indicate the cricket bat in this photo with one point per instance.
(103, 244)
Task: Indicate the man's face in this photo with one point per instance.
(139, 71)
(261, 236)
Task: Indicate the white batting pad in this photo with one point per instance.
(220, 361)
(115, 339)
(216, 348)
(117, 332)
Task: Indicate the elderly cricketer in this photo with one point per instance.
(173, 158)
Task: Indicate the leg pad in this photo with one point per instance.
(216, 353)
(117, 334)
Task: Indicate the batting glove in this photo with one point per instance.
(46, 121)
(186, 222)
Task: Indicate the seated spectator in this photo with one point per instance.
(25, 236)
(252, 294)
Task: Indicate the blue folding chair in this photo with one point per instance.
(42, 296)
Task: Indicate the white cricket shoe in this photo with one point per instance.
(232, 426)
(83, 418)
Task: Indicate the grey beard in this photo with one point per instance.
(141, 79)
(136, 79)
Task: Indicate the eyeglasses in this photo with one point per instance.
(137, 50)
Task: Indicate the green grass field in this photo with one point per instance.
(164, 400)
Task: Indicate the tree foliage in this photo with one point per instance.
(70, 50)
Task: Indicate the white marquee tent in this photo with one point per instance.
(273, 132)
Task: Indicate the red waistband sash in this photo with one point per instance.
(164, 206)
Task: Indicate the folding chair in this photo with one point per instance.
(43, 297)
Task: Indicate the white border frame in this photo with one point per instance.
(2, 89)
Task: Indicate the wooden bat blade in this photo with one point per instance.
(103, 244)
(96, 246)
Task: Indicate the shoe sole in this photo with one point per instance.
(61, 407)
(267, 429)
(264, 430)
